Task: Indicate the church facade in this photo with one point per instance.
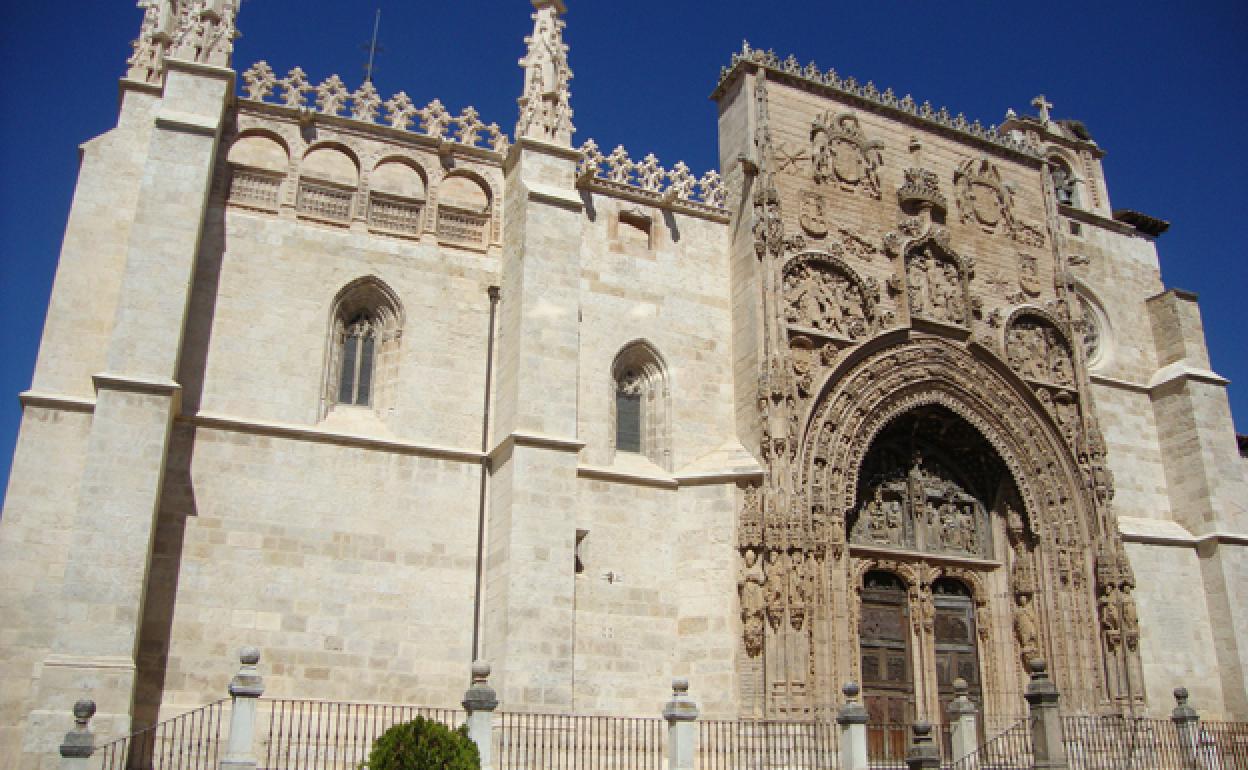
(890, 397)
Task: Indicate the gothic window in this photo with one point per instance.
(1063, 181)
(258, 164)
(464, 206)
(359, 344)
(639, 404)
(365, 330)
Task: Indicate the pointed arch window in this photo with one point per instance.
(640, 404)
(366, 329)
(359, 346)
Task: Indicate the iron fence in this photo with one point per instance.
(190, 741)
(1117, 742)
(752, 744)
(1222, 745)
(562, 742)
(323, 735)
(1009, 749)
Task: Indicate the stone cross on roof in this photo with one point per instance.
(1044, 105)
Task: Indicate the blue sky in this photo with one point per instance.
(1159, 84)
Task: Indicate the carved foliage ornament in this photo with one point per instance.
(844, 156)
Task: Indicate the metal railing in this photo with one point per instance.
(323, 735)
(190, 741)
(1222, 745)
(1140, 743)
(750, 744)
(1009, 749)
(559, 742)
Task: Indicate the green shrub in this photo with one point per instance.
(424, 745)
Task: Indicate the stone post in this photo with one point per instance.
(681, 714)
(964, 733)
(852, 719)
(79, 743)
(245, 688)
(1187, 725)
(480, 700)
(1046, 723)
(924, 754)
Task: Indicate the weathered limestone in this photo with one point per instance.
(862, 276)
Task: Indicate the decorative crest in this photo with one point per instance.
(545, 107)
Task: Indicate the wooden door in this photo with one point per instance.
(957, 650)
(887, 674)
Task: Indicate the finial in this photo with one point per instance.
(480, 669)
(851, 690)
(545, 106)
(960, 688)
(1181, 695)
(83, 711)
(1044, 105)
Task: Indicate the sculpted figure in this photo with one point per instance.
(956, 310)
(917, 280)
(750, 587)
(1026, 628)
(798, 590)
(775, 588)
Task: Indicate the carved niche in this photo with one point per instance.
(936, 284)
(1038, 351)
(843, 155)
(923, 509)
(984, 199)
(822, 294)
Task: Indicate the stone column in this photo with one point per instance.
(964, 732)
(245, 688)
(852, 718)
(480, 700)
(79, 743)
(1187, 725)
(1046, 723)
(529, 585)
(924, 754)
(681, 714)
